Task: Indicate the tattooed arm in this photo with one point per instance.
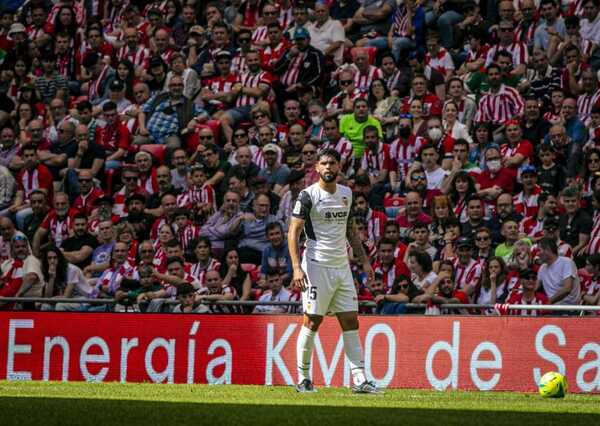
(358, 249)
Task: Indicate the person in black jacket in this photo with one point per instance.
(300, 68)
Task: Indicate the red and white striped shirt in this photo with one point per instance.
(401, 22)
(38, 178)
(525, 35)
(194, 196)
(337, 102)
(270, 55)
(585, 103)
(221, 84)
(285, 17)
(362, 81)
(59, 228)
(343, 146)
(594, 245)
(238, 63)
(260, 35)
(375, 224)
(467, 276)
(140, 57)
(442, 62)
(532, 227)
(248, 79)
(187, 235)
(527, 205)
(199, 271)
(517, 299)
(499, 107)
(95, 85)
(403, 153)
(291, 75)
(517, 49)
(374, 163)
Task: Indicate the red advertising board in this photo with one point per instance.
(475, 353)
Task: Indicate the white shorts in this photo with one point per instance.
(329, 290)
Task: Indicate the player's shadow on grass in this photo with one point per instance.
(72, 411)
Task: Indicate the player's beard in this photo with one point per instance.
(327, 177)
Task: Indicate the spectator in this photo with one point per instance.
(234, 275)
(218, 291)
(445, 292)
(276, 257)
(529, 294)
(79, 246)
(352, 125)
(63, 280)
(576, 224)
(558, 275)
(401, 292)
(420, 265)
(275, 293)
(186, 294)
(21, 274)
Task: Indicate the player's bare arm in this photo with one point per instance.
(298, 277)
(357, 248)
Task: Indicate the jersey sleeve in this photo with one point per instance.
(302, 206)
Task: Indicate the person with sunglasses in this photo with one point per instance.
(343, 101)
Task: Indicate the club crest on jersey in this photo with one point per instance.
(297, 207)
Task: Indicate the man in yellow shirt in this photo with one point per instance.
(352, 126)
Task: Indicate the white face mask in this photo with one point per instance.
(494, 165)
(435, 134)
(316, 119)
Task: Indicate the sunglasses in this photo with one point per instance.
(206, 138)
(244, 40)
(345, 82)
(240, 135)
(129, 178)
(418, 177)
(482, 238)
(259, 115)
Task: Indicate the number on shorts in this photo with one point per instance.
(312, 293)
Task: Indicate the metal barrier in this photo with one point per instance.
(368, 304)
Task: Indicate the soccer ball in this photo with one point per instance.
(553, 385)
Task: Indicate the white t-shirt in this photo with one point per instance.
(325, 218)
(552, 277)
(435, 178)
(81, 287)
(425, 282)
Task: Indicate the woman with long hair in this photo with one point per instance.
(421, 267)
(62, 279)
(482, 138)
(21, 76)
(233, 275)
(126, 75)
(441, 209)
(462, 187)
(66, 22)
(386, 108)
(451, 125)
(494, 286)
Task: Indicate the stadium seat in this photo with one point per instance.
(156, 150)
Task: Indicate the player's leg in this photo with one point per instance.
(315, 302)
(345, 305)
(304, 349)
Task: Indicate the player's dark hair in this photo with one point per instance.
(329, 152)
(385, 241)
(273, 225)
(174, 259)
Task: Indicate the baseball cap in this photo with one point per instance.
(464, 242)
(527, 273)
(528, 168)
(117, 86)
(271, 147)
(301, 33)
(197, 29)
(17, 27)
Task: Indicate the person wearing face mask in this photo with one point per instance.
(495, 179)
(442, 140)
(316, 113)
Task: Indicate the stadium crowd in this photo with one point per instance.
(152, 150)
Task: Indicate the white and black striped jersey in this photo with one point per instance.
(325, 218)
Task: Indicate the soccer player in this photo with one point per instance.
(323, 211)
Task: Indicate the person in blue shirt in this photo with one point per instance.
(276, 255)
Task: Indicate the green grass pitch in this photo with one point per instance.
(55, 403)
